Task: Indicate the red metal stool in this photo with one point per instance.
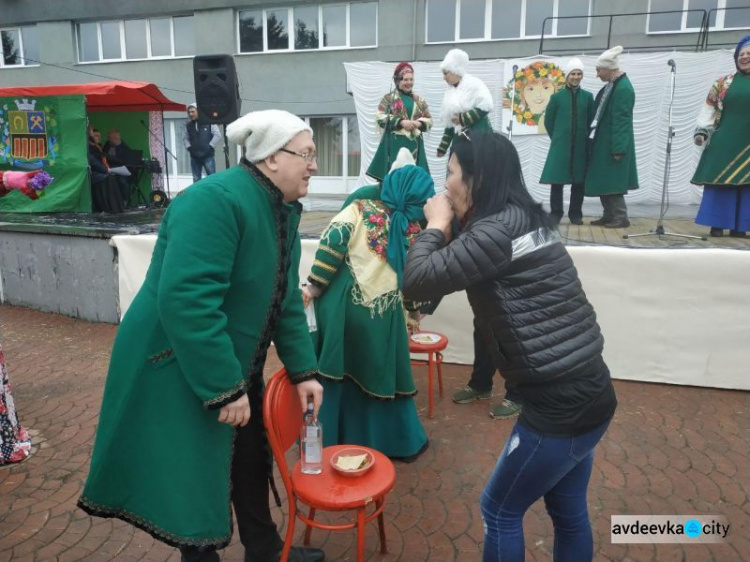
(432, 344)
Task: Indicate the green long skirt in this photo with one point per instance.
(364, 359)
(379, 167)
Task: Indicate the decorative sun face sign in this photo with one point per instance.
(527, 93)
(27, 134)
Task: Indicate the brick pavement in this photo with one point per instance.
(670, 450)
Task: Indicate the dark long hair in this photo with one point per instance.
(490, 164)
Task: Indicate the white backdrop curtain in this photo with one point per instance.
(649, 73)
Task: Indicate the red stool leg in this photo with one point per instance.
(381, 528)
(430, 360)
(361, 534)
(440, 372)
(308, 530)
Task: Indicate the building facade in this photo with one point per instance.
(290, 54)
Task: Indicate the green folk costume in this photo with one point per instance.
(407, 106)
(568, 116)
(361, 341)
(223, 282)
(613, 135)
(475, 120)
(726, 158)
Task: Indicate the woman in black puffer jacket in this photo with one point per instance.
(541, 330)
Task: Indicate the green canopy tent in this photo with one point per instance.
(44, 127)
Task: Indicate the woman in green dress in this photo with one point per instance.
(724, 167)
(403, 118)
(361, 338)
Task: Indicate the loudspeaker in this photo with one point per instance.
(217, 91)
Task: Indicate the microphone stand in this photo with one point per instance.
(659, 230)
(512, 103)
(166, 152)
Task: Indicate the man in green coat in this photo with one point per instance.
(567, 118)
(180, 431)
(612, 168)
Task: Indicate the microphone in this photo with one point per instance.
(672, 63)
(515, 69)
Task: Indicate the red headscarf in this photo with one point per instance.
(403, 68)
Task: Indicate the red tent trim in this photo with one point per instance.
(105, 96)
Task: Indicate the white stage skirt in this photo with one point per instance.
(668, 316)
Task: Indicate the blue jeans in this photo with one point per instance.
(197, 165)
(532, 466)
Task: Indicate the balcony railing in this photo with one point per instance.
(701, 41)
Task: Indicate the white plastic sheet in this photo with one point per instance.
(668, 316)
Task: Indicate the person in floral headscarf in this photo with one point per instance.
(361, 338)
(724, 167)
(15, 443)
(403, 117)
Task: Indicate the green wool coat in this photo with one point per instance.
(567, 118)
(614, 135)
(193, 340)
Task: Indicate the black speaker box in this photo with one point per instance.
(217, 91)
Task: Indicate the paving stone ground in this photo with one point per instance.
(669, 450)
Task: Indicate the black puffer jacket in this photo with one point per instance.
(531, 311)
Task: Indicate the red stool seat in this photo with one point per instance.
(434, 361)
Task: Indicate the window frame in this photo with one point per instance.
(123, 42)
(21, 48)
(718, 26)
(488, 25)
(292, 31)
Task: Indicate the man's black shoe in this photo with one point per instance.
(617, 223)
(304, 554)
(600, 222)
(576, 221)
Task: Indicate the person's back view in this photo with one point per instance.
(361, 340)
(540, 329)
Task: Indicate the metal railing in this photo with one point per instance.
(709, 30)
(699, 44)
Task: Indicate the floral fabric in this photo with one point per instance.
(15, 443)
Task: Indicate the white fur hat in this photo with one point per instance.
(610, 59)
(456, 62)
(573, 64)
(263, 133)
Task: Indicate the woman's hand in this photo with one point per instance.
(699, 140)
(456, 119)
(309, 292)
(409, 125)
(439, 213)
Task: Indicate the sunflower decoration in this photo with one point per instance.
(535, 84)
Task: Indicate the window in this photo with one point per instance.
(179, 166)
(331, 135)
(722, 14)
(116, 40)
(19, 46)
(450, 21)
(308, 27)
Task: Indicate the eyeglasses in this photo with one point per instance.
(310, 157)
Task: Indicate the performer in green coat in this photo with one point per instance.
(467, 101)
(724, 167)
(568, 116)
(612, 168)
(403, 118)
(176, 438)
